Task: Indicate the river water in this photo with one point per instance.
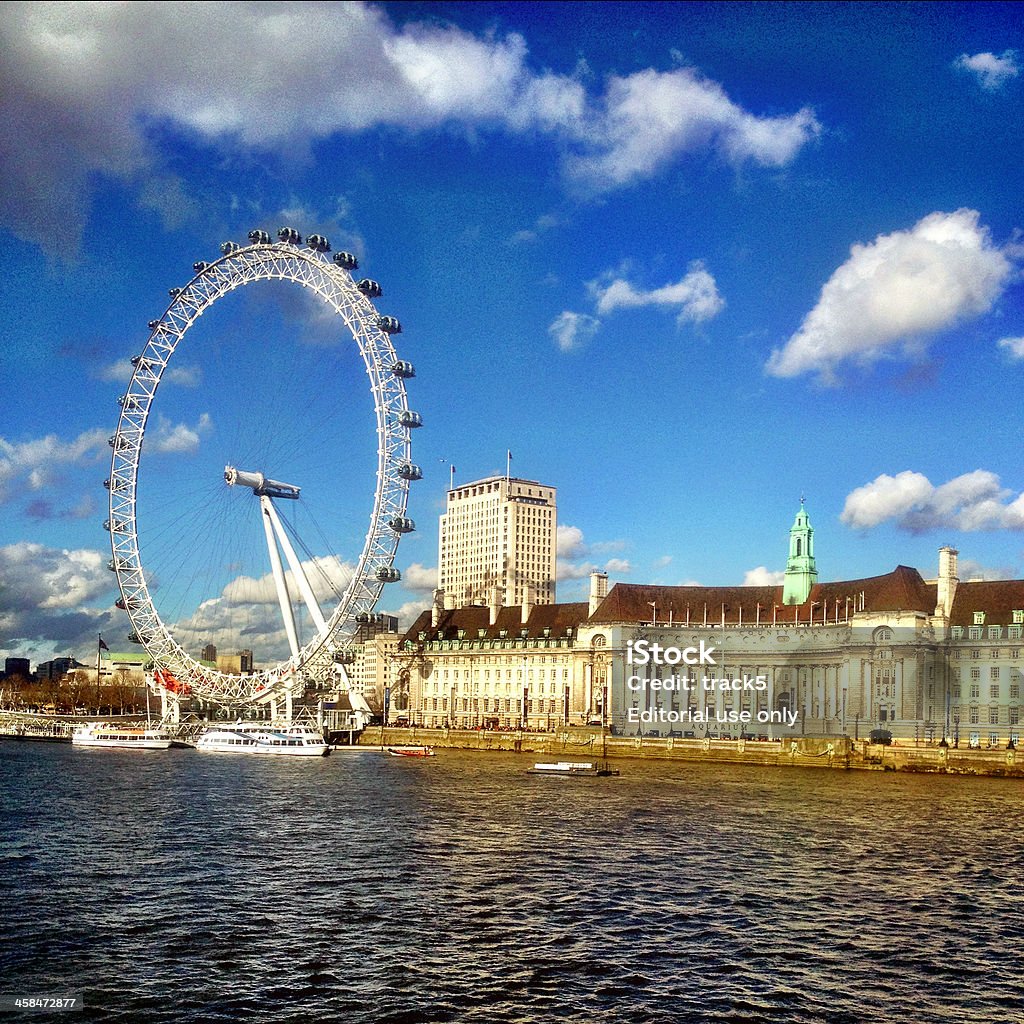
(178, 886)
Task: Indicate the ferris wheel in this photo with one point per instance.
(330, 616)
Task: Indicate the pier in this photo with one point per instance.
(837, 752)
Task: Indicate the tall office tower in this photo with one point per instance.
(498, 540)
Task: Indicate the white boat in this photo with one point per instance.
(263, 738)
(571, 768)
(103, 734)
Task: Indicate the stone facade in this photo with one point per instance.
(920, 659)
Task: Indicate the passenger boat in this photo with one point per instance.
(103, 734)
(571, 768)
(263, 738)
(411, 751)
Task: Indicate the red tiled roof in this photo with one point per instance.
(556, 618)
(903, 589)
(996, 598)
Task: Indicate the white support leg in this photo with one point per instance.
(296, 567)
(269, 516)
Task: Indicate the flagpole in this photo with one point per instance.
(451, 478)
(99, 642)
(508, 463)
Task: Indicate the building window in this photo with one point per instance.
(1014, 632)
(975, 691)
(995, 632)
(974, 716)
(993, 716)
(979, 618)
(1014, 691)
(993, 672)
(1018, 614)
(974, 633)
(1014, 716)
(993, 691)
(958, 632)
(975, 673)
(975, 653)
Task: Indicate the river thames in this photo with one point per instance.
(176, 886)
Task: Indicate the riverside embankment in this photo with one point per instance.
(841, 752)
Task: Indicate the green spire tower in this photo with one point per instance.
(801, 574)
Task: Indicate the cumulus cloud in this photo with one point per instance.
(1014, 347)
(894, 293)
(419, 577)
(990, 71)
(107, 80)
(44, 597)
(569, 542)
(32, 465)
(121, 370)
(573, 330)
(178, 438)
(247, 614)
(969, 570)
(970, 502)
(649, 118)
(762, 576)
(695, 296)
(575, 558)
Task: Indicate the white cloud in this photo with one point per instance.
(695, 296)
(31, 464)
(575, 556)
(650, 118)
(969, 570)
(1014, 347)
(121, 372)
(892, 294)
(247, 613)
(178, 438)
(573, 330)
(43, 597)
(106, 79)
(569, 542)
(762, 576)
(970, 502)
(990, 71)
(419, 577)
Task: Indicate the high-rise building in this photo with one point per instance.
(498, 537)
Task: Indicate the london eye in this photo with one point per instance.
(282, 424)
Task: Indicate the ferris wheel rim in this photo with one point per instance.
(173, 666)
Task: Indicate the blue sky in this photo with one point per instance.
(688, 262)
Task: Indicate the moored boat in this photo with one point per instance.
(571, 768)
(103, 734)
(263, 738)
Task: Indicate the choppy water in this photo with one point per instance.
(186, 887)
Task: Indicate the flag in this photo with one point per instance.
(103, 646)
(509, 453)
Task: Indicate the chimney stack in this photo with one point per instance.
(598, 590)
(947, 581)
(529, 600)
